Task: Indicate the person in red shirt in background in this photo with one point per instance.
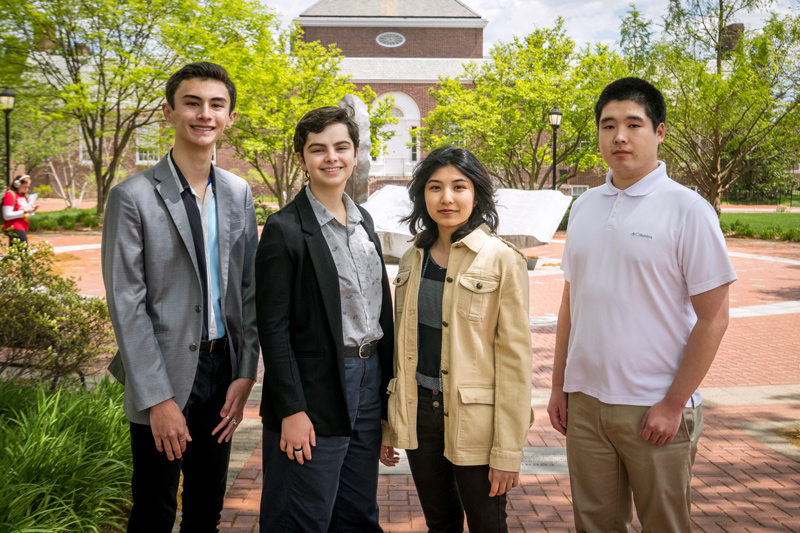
(16, 210)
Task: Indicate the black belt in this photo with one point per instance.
(365, 351)
(216, 346)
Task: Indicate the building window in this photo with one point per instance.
(390, 39)
(147, 144)
(414, 145)
(577, 190)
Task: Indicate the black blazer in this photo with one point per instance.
(300, 322)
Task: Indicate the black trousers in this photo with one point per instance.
(446, 491)
(16, 235)
(204, 463)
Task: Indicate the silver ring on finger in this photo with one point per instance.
(234, 421)
(298, 450)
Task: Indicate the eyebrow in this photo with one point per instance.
(637, 118)
(322, 145)
(213, 98)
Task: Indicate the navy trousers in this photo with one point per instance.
(204, 463)
(337, 489)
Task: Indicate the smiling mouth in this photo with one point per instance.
(332, 170)
(203, 128)
(447, 212)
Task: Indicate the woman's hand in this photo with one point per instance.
(297, 437)
(389, 456)
(502, 481)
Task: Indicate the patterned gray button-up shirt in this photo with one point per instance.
(359, 268)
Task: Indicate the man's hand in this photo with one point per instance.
(661, 423)
(502, 481)
(297, 433)
(557, 410)
(232, 412)
(389, 456)
(169, 429)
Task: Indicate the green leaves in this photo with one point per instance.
(502, 113)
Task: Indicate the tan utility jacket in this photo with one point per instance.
(486, 353)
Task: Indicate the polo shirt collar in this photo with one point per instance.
(644, 186)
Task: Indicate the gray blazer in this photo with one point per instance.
(153, 285)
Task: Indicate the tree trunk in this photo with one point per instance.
(714, 198)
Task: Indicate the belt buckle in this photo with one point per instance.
(360, 348)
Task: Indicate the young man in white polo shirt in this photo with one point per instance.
(644, 309)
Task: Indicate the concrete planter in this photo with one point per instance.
(532, 262)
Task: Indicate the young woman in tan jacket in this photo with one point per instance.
(459, 402)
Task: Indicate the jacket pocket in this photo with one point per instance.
(475, 417)
(475, 291)
(400, 283)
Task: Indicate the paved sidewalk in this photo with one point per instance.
(747, 478)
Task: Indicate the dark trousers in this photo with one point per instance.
(446, 490)
(337, 489)
(204, 463)
(16, 235)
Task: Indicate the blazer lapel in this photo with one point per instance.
(324, 267)
(224, 201)
(167, 187)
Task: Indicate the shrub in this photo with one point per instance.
(88, 219)
(43, 191)
(67, 222)
(768, 233)
(790, 234)
(563, 225)
(262, 212)
(65, 458)
(48, 330)
(47, 223)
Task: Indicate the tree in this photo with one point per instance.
(732, 97)
(279, 78)
(102, 63)
(636, 33)
(502, 116)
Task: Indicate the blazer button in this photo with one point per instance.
(445, 324)
(449, 280)
(193, 347)
(198, 308)
(479, 285)
(446, 412)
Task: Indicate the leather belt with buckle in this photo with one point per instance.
(216, 346)
(365, 351)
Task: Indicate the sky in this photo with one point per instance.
(590, 21)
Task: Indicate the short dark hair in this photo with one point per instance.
(485, 212)
(636, 90)
(205, 71)
(320, 118)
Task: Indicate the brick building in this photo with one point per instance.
(400, 49)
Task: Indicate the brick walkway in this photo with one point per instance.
(747, 479)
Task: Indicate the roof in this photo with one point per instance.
(403, 69)
(448, 9)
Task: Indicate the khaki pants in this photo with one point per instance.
(608, 460)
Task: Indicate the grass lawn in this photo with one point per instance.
(785, 226)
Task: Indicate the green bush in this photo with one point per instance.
(262, 212)
(88, 219)
(48, 331)
(67, 221)
(43, 191)
(790, 234)
(43, 223)
(768, 233)
(65, 458)
(563, 225)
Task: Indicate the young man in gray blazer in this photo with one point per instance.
(179, 242)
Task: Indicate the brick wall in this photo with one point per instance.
(420, 42)
(417, 91)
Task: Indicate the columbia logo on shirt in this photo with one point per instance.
(643, 235)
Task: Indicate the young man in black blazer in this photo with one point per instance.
(325, 324)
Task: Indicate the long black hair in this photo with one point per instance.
(484, 212)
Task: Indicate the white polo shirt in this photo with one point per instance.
(633, 258)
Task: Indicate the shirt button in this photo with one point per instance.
(479, 285)
(193, 347)
(446, 413)
(458, 245)
(445, 324)
(198, 308)
(410, 358)
(618, 204)
(436, 404)
(444, 371)
(614, 215)
(435, 392)
(449, 280)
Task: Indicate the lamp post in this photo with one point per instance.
(555, 122)
(7, 98)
